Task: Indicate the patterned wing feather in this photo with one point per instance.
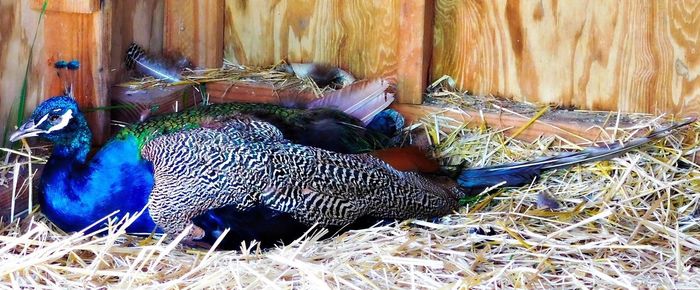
(210, 168)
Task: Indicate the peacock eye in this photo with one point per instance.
(53, 118)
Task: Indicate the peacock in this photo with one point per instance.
(79, 191)
(265, 172)
(222, 167)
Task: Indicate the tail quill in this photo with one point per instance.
(517, 174)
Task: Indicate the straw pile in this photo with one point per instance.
(626, 223)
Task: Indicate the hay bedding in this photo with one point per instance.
(626, 223)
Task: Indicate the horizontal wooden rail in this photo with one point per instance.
(576, 127)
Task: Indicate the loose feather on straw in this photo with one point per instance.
(137, 58)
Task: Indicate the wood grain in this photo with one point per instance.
(640, 56)
(21, 198)
(194, 29)
(18, 23)
(134, 105)
(357, 35)
(259, 92)
(580, 127)
(415, 47)
(87, 38)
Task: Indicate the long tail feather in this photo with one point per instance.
(362, 100)
(137, 58)
(517, 174)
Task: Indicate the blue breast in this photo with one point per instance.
(76, 195)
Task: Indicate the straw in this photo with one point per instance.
(631, 222)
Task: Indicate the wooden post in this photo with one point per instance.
(195, 29)
(415, 48)
(80, 29)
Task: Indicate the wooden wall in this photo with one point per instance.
(17, 26)
(195, 29)
(598, 54)
(370, 38)
(130, 20)
(636, 56)
(641, 56)
(357, 35)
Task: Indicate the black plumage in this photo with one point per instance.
(247, 166)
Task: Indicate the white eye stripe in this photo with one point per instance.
(65, 119)
(41, 121)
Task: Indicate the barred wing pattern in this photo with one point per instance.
(245, 162)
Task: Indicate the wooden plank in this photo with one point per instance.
(194, 29)
(579, 129)
(87, 38)
(242, 92)
(68, 6)
(359, 36)
(630, 55)
(574, 126)
(131, 106)
(18, 23)
(415, 47)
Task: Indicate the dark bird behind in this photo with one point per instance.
(246, 163)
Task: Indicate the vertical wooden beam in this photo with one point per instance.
(195, 29)
(415, 49)
(80, 29)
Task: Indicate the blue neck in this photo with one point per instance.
(75, 145)
(78, 192)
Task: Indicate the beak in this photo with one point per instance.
(27, 130)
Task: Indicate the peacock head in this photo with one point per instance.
(57, 119)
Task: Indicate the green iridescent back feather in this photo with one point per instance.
(295, 123)
(194, 118)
